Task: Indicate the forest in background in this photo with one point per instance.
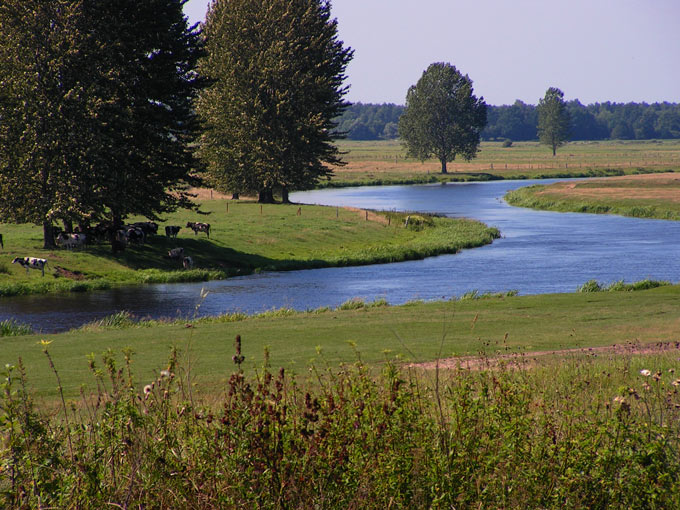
(518, 122)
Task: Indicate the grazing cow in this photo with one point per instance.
(135, 235)
(119, 240)
(176, 253)
(187, 263)
(199, 227)
(172, 231)
(31, 263)
(70, 241)
(2, 245)
(149, 227)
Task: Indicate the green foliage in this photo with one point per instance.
(276, 70)
(467, 439)
(11, 327)
(553, 119)
(595, 286)
(443, 118)
(96, 109)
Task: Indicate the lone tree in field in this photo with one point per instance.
(553, 119)
(95, 110)
(277, 69)
(443, 118)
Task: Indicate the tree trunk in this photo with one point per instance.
(68, 226)
(265, 196)
(48, 235)
(443, 165)
(284, 195)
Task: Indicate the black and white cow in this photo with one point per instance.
(149, 227)
(172, 231)
(135, 235)
(199, 227)
(31, 263)
(70, 241)
(188, 263)
(176, 254)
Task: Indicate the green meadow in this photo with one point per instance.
(245, 237)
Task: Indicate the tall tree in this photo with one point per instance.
(553, 119)
(443, 118)
(277, 69)
(95, 109)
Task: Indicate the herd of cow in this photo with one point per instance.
(135, 233)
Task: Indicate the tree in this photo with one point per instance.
(277, 69)
(95, 109)
(443, 118)
(553, 119)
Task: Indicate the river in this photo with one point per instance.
(539, 252)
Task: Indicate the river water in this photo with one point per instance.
(539, 252)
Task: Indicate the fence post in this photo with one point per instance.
(260, 209)
(227, 206)
(366, 215)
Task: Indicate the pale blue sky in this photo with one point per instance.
(594, 50)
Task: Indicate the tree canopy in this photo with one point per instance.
(443, 118)
(276, 69)
(95, 109)
(553, 119)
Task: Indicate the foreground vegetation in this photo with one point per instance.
(637, 196)
(603, 433)
(245, 237)
(384, 162)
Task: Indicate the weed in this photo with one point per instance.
(11, 327)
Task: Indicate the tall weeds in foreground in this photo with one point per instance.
(501, 438)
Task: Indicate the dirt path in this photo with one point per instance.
(522, 358)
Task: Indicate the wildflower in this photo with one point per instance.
(147, 389)
(676, 382)
(645, 372)
(165, 373)
(44, 342)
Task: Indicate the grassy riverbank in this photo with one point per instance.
(642, 196)
(384, 162)
(417, 332)
(245, 237)
(586, 429)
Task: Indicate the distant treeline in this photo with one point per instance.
(517, 122)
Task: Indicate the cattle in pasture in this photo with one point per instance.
(187, 263)
(176, 253)
(135, 235)
(199, 227)
(31, 263)
(70, 241)
(172, 231)
(149, 227)
(2, 245)
(119, 239)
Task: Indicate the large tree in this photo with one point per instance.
(96, 114)
(277, 69)
(553, 119)
(443, 118)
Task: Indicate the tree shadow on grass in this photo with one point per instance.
(206, 254)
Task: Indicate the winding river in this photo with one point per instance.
(539, 252)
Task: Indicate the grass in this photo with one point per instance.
(245, 238)
(602, 434)
(384, 162)
(412, 332)
(638, 196)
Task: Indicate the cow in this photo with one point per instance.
(31, 263)
(135, 235)
(176, 253)
(119, 240)
(172, 231)
(149, 227)
(2, 245)
(188, 263)
(199, 227)
(70, 241)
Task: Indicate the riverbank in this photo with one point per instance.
(415, 332)
(641, 196)
(384, 162)
(245, 237)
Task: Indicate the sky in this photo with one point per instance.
(593, 50)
